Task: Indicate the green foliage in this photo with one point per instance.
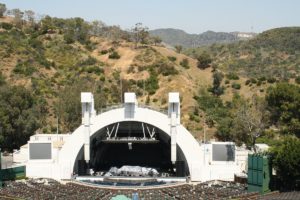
(185, 63)
(204, 60)
(114, 55)
(163, 67)
(271, 80)
(274, 53)
(284, 104)
(140, 34)
(281, 39)
(103, 52)
(172, 58)
(297, 79)
(286, 161)
(176, 37)
(19, 116)
(89, 61)
(2, 79)
(151, 84)
(26, 68)
(6, 26)
(178, 48)
(2, 9)
(232, 76)
(217, 80)
(212, 105)
(236, 86)
(93, 69)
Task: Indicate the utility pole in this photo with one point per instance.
(121, 89)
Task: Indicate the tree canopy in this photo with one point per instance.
(284, 104)
(286, 161)
(19, 116)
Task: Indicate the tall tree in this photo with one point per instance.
(30, 16)
(217, 89)
(284, 104)
(2, 9)
(97, 27)
(250, 120)
(18, 17)
(156, 40)
(178, 48)
(286, 161)
(18, 116)
(140, 34)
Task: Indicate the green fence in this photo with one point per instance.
(13, 173)
(259, 173)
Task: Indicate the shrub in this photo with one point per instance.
(227, 82)
(89, 61)
(152, 83)
(286, 161)
(204, 60)
(2, 79)
(24, 68)
(271, 80)
(262, 79)
(253, 80)
(185, 63)
(236, 86)
(247, 82)
(297, 79)
(168, 70)
(6, 26)
(232, 76)
(102, 52)
(130, 70)
(93, 69)
(172, 58)
(114, 55)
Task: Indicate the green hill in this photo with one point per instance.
(179, 37)
(46, 64)
(273, 53)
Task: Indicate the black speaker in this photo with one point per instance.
(180, 168)
(82, 167)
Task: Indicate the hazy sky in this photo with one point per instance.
(193, 16)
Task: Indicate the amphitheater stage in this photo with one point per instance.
(131, 179)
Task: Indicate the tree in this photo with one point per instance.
(156, 40)
(2, 9)
(284, 103)
(97, 27)
(18, 17)
(204, 60)
(18, 116)
(178, 48)
(217, 80)
(185, 63)
(140, 34)
(286, 161)
(250, 120)
(30, 16)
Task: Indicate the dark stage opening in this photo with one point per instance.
(134, 144)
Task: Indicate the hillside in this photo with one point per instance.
(179, 37)
(57, 70)
(56, 59)
(272, 54)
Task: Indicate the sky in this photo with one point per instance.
(192, 16)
